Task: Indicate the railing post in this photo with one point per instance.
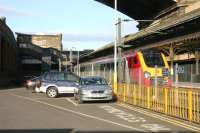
(124, 92)
(166, 102)
(134, 94)
(148, 97)
(190, 105)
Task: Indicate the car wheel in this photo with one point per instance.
(52, 92)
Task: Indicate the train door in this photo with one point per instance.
(135, 69)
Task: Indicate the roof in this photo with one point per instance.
(39, 34)
(139, 9)
(159, 31)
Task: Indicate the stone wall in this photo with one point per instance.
(44, 41)
(9, 61)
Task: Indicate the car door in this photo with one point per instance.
(66, 82)
(72, 80)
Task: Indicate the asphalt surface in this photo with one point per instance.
(24, 111)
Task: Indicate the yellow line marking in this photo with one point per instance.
(79, 113)
(175, 122)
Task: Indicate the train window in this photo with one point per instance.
(153, 58)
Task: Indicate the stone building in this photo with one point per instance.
(42, 40)
(39, 53)
(9, 61)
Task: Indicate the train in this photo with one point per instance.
(145, 67)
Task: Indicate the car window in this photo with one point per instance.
(93, 81)
(60, 76)
(47, 76)
(71, 77)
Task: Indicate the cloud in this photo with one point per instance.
(5, 10)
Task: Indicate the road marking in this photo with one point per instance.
(50, 98)
(71, 101)
(79, 113)
(156, 128)
(175, 122)
(135, 119)
(122, 114)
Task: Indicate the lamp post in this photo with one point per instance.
(78, 68)
(71, 57)
(115, 52)
(117, 43)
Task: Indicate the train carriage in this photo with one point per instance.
(147, 67)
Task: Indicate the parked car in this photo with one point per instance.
(93, 89)
(55, 83)
(33, 84)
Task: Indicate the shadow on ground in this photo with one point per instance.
(58, 131)
(65, 131)
(10, 86)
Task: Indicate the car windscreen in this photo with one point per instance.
(93, 81)
(153, 58)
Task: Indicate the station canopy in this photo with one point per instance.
(139, 9)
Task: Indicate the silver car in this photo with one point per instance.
(93, 89)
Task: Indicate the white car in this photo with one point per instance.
(55, 83)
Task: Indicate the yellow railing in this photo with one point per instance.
(178, 102)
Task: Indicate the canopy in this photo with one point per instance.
(139, 9)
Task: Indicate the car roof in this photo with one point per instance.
(93, 77)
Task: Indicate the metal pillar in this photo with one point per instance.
(197, 56)
(70, 57)
(115, 52)
(78, 68)
(176, 75)
(59, 63)
(77, 63)
(156, 82)
(92, 69)
(120, 69)
(171, 55)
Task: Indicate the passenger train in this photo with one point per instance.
(146, 67)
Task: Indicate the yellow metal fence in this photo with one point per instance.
(178, 102)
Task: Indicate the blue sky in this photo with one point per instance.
(85, 24)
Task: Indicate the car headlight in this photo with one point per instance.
(147, 74)
(85, 92)
(108, 91)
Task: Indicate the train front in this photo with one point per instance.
(155, 69)
(149, 68)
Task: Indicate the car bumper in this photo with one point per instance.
(96, 98)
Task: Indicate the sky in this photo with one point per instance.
(84, 24)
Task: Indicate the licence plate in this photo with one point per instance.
(97, 95)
